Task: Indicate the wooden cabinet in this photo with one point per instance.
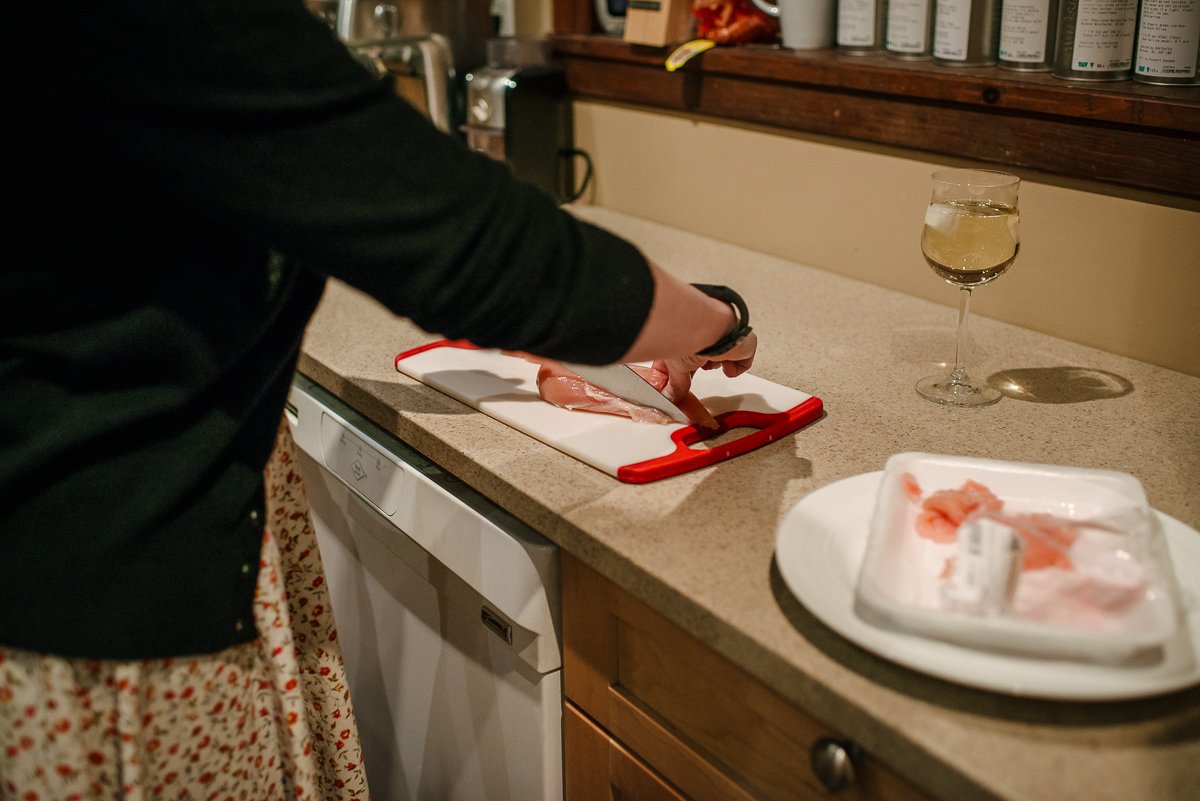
(652, 713)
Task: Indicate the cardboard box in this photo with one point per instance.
(658, 22)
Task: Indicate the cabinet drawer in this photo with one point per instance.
(598, 768)
(709, 728)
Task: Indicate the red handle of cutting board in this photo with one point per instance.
(441, 343)
(769, 426)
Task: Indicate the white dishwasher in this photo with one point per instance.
(448, 615)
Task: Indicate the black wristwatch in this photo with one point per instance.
(740, 328)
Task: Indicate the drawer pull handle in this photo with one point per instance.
(833, 762)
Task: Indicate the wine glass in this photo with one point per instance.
(969, 239)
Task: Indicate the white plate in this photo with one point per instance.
(820, 546)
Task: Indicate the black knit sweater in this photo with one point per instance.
(188, 173)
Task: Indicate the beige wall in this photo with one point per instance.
(1118, 270)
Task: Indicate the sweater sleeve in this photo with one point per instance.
(258, 119)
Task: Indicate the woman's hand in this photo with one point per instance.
(680, 371)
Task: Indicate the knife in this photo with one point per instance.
(622, 381)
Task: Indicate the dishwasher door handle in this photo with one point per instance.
(497, 624)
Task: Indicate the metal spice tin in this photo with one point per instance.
(1027, 35)
(966, 32)
(861, 25)
(1094, 41)
(1168, 45)
(910, 29)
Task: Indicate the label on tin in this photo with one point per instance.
(1104, 35)
(1024, 25)
(856, 23)
(952, 28)
(908, 26)
(1167, 41)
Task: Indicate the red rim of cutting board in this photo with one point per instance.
(768, 428)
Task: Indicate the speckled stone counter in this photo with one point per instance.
(700, 547)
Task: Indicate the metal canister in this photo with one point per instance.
(1168, 44)
(861, 25)
(1027, 35)
(909, 29)
(1094, 39)
(966, 33)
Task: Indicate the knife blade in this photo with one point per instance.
(622, 381)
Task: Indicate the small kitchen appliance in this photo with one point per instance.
(426, 45)
(517, 113)
(465, 24)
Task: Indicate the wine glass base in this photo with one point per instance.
(948, 391)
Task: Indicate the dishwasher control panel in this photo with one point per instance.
(367, 471)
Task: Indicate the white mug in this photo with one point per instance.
(804, 24)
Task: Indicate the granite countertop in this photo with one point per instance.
(699, 548)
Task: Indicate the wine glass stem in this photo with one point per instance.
(959, 376)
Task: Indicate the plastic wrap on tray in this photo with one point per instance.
(1058, 562)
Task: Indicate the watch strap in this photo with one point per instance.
(741, 326)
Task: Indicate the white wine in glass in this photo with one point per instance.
(970, 238)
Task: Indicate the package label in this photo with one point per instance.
(908, 26)
(952, 29)
(1104, 35)
(1024, 25)
(856, 23)
(1167, 40)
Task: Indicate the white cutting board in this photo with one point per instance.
(505, 387)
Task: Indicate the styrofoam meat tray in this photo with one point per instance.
(899, 584)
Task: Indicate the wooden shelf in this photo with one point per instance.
(1123, 133)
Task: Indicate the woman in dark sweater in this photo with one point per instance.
(189, 173)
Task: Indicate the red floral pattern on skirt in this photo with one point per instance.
(267, 720)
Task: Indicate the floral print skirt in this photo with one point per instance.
(266, 720)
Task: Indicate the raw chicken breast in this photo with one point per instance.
(1046, 538)
(558, 385)
(943, 511)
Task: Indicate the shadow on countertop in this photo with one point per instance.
(1176, 716)
(1060, 384)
